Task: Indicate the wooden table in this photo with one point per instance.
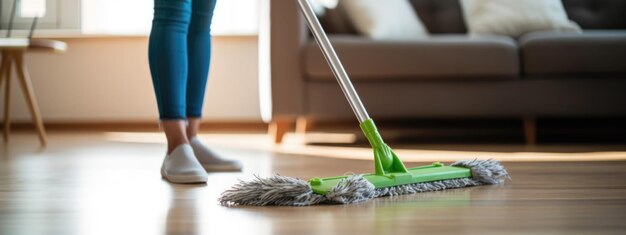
(13, 50)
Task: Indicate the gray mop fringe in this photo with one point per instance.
(287, 191)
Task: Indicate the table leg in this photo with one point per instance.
(7, 58)
(2, 67)
(29, 94)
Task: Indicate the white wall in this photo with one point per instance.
(108, 79)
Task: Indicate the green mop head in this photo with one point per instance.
(390, 178)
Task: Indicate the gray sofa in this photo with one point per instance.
(541, 74)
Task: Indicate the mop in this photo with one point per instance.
(390, 177)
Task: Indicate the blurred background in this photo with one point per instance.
(104, 75)
(452, 85)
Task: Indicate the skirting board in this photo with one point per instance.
(140, 126)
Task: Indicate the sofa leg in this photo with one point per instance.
(304, 125)
(279, 127)
(530, 130)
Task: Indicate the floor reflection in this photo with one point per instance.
(183, 212)
(379, 216)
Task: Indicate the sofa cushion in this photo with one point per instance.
(515, 18)
(597, 14)
(336, 21)
(445, 16)
(440, 16)
(394, 20)
(570, 53)
(451, 56)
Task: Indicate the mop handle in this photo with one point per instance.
(333, 61)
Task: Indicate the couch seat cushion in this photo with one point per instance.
(437, 57)
(591, 52)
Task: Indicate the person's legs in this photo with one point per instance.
(175, 133)
(192, 126)
(167, 55)
(199, 57)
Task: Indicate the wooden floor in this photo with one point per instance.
(109, 183)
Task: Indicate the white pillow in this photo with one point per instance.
(385, 19)
(516, 17)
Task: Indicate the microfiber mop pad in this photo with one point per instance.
(287, 191)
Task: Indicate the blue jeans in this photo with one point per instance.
(179, 54)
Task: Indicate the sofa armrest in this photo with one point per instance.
(281, 38)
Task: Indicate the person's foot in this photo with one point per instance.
(210, 160)
(181, 166)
